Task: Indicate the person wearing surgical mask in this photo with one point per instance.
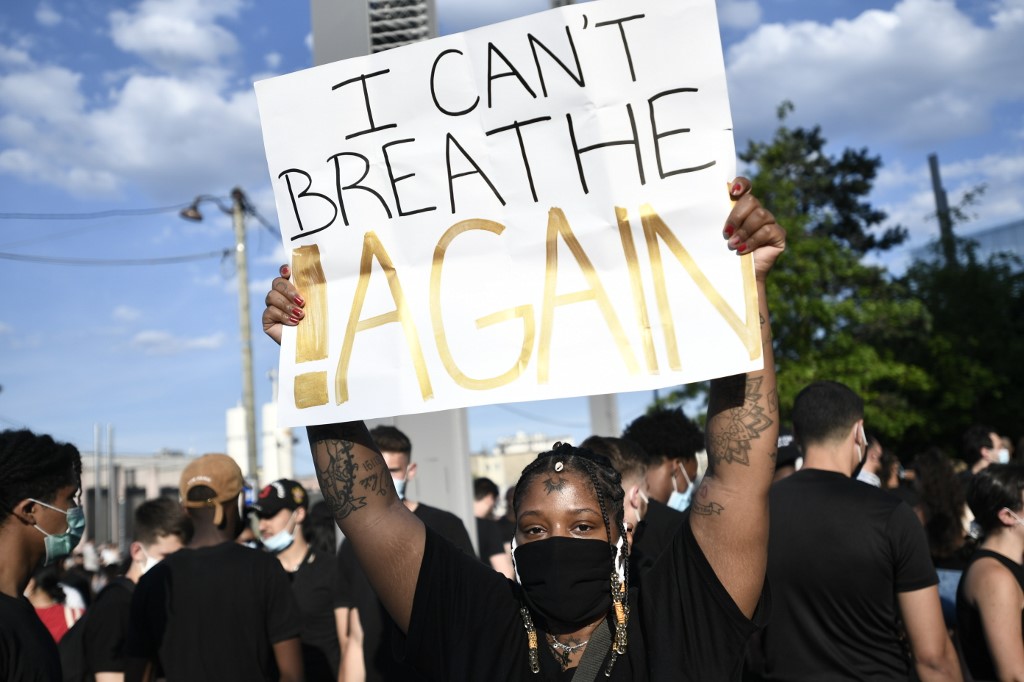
(40, 523)
(282, 508)
(160, 528)
(671, 441)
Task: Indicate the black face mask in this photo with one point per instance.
(566, 581)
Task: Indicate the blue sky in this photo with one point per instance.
(128, 105)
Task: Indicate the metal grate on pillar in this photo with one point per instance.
(394, 23)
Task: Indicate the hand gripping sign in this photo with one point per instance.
(529, 210)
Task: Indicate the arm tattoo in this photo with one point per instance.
(336, 471)
(707, 509)
(735, 428)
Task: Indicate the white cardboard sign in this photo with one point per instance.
(525, 211)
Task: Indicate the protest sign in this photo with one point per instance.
(525, 211)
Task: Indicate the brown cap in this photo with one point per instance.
(220, 473)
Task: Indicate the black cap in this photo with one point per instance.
(281, 494)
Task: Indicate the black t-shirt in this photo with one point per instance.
(213, 613)
(488, 536)
(27, 651)
(656, 532)
(839, 553)
(683, 625)
(972, 633)
(317, 588)
(105, 626)
(378, 627)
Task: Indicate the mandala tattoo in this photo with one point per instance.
(738, 427)
(337, 472)
(553, 484)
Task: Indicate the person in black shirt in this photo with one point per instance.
(990, 598)
(671, 442)
(161, 528)
(215, 610)
(283, 511)
(463, 621)
(489, 538)
(40, 522)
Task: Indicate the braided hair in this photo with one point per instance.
(606, 484)
(34, 466)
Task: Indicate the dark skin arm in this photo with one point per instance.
(288, 655)
(729, 514)
(387, 538)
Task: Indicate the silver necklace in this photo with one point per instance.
(567, 648)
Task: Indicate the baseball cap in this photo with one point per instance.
(283, 493)
(787, 451)
(220, 473)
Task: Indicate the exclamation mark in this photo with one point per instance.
(311, 340)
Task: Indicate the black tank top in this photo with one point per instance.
(972, 634)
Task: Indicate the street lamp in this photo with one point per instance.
(239, 208)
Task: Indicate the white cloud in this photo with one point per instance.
(47, 15)
(921, 71)
(12, 56)
(739, 13)
(5, 329)
(125, 313)
(154, 342)
(172, 33)
(272, 60)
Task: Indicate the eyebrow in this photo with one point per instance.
(584, 510)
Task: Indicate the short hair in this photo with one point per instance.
(823, 412)
(975, 438)
(628, 458)
(665, 433)
(159, 518)
(389, 439)
(482, 487)
(995, 487)
(34, 466)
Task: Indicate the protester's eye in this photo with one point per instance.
(584, 527)
(533, 530)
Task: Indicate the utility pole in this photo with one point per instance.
(942, 210)
(238, 210)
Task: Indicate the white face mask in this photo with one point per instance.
(149, 563)
(680, 501)
(1002, 456)
(636, 512)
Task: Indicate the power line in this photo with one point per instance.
(90, 216)
(553, 422)
(168, 260)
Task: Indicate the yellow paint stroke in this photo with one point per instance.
(308, 274)
(525, 312)
(374, 250)
(559, 226)
(310, 389)
(637, 287)
(747, 330)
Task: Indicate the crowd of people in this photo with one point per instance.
(671, 552)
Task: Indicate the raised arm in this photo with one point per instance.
(387, 538)
(729, 514)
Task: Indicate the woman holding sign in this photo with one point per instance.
(570, 614)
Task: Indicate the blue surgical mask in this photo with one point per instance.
(681, 500)
(59, 545)
(282, 540)
(1003, 456)
(400, 488)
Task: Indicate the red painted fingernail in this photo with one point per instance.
(285, 271)
(741, 248)
(729, 229)
(297, 312)
(293, 320)
(298, 300)
(737, 188)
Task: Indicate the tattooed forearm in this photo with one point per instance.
(733, 427)
(336, 470)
